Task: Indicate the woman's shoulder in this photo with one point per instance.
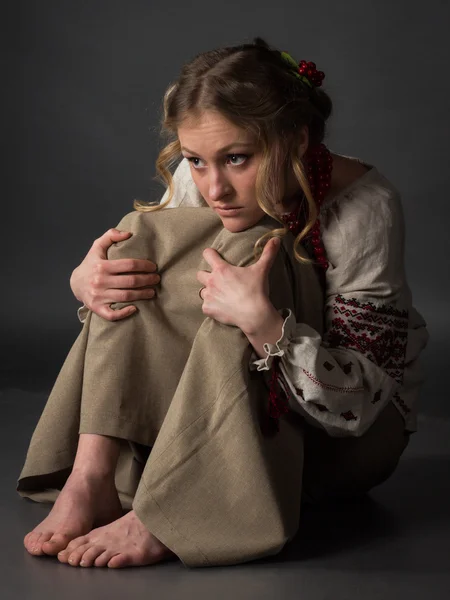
(347, 170)
(363, 189)
(363, 230)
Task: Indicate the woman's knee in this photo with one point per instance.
(392, 438)
(345, 467)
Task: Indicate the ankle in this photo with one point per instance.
(93, 475)
(97, 456)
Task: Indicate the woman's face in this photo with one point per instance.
(224, 161)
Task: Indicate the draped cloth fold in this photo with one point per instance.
(211, 486)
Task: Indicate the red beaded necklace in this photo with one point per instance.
(319, 166)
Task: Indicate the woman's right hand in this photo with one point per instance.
(99, 282)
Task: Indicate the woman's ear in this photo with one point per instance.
(303, 139)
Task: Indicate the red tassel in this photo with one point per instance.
(278, 403)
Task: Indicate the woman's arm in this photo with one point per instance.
(98, 282)
(340, 388)
(373, 336)
(369, 354)
(240, 295)
(342, 381)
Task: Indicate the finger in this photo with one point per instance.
(203, 277)
(268, 255)
(115, 315)
(128, 265)
(127, 282)
(213, 258)
(129, 295)
(108, 238)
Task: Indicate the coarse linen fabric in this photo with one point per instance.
(369, 353)
(217, 488)
(197, 463)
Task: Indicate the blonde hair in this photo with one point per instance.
(250, 86)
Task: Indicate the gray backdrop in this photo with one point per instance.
(82, 89)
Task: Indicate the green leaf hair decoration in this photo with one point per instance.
(294, 67)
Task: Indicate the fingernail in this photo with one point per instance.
(82, 563)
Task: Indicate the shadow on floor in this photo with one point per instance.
(403, 525)
(386, 529)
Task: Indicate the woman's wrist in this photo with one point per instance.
(266, 328)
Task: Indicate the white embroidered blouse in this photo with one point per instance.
(369, 354)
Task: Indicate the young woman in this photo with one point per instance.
(301, 382)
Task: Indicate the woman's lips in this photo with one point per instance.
(228, 212)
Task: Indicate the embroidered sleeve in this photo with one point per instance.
(341, 382)
(368, 353)
(378, 332)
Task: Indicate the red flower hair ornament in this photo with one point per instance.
(305, 71)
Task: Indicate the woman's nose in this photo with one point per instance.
(218, 186)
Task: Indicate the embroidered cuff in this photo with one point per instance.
(279, 348)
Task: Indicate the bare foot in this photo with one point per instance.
(82, 503)
(124, 543)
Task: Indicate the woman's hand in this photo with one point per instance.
(98, 282)
(240, 295)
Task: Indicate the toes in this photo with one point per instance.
(33, 542)
(57, 543)
(29, 541)
(90, 556)
(119, 561)
(76, 556)
(103, 559)
(63, 556)
(132, 559)
(75, 544)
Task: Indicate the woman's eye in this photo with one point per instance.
(239, 155)
(231, 157)
(191, 160)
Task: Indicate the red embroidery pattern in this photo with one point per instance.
(401, 403)
(334, 388)
(349, 416)
(378, 332)
(278, 401)
(377, 397)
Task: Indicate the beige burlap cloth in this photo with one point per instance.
(215, 489)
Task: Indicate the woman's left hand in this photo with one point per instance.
(238, 295)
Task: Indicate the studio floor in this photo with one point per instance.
(393, 544)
